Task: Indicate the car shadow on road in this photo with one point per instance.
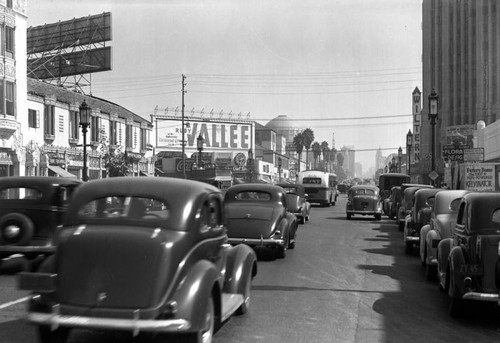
(418, 311)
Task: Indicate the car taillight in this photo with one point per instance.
(478, 246)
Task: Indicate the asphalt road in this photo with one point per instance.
(346, 281)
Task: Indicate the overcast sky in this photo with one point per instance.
(336, 66)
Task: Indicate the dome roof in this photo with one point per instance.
(282, 122)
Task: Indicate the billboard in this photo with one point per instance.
(217, 135)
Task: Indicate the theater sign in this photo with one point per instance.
(216, 134)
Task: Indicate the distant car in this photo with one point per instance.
(443, 220)
(297, 201)
(141, 254)
(394, 201)
(31, 209)
(258, 216)
(420, 216)
(471, 271)
(363, 200)
(408, 192)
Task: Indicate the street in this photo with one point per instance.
(346, 281)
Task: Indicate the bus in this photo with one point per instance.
(321, 187)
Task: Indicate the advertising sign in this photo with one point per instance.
(215, 134)
(460, 136)
(480, 177)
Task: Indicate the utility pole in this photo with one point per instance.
(183, 143)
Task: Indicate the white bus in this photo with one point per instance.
(321, 187)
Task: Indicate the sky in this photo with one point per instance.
(343, 68)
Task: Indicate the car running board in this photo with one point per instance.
(230, 303)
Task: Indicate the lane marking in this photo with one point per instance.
(11, 303)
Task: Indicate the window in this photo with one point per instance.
(33, 118)
(144, 139)
(9, 39)
(9, 3)
(19, 193)
(73, 124)
(49, 120)
(94, 129)
(9, 98)
(113, 132)
(129, 136)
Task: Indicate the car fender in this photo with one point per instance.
(432, 235)
(195, 290)
(455, 260)
(423, 238)
(293, 222)
(443, 251)
(241, 263)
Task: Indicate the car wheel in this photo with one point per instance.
(47, 335)
(457, 304)
(307, 218)
(281, 250)
(348, 216)
(408, 248)
(431, 272)
(302, 220)
(401, 226)
(378, 217)
(16, 229)
(246, 296)
(206, 335)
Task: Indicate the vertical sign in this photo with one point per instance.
(417, 122)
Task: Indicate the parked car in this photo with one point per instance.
(394, 202)
(443, 220)
(363, 200)
(31, 209)
(141, 254)
(297, 203)
(420, 216)
(258, 215)
(471, 254)
(408, 192)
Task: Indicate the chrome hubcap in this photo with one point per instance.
(11, 231)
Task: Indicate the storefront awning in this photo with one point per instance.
(61, 172)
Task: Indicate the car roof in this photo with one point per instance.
(274, 190)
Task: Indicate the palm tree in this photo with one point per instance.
(298, 141)
(316, 148)
(324, 150)
(308, 138)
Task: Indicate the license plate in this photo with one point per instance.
(471, 269)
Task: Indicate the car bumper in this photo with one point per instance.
(414, 239)
(268, 242)
(33, 250)
(371, 212)
(55, 320)
(490, 297)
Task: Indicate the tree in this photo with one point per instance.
(116, 161)
(298, 141)
(316, 148)
(308, 138)
(325, 151)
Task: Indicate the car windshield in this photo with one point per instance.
(124, 207)
(253, 196)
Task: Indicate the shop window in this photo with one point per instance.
(94, 129)
(9, 98)
(33, 118)
(144, 139)
(129, 136)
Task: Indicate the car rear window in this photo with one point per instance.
(253, 196)
(312, 180)
(20, 193)
(290, 190)
(363, 191)
(125, 207)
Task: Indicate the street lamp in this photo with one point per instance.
(409, 143)
(433, 116)
(250, 164)
(279, 169)
(199, 144)
(84, 123)
(400, 155)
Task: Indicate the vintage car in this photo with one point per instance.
(420, 216)
(408, 193)
(297, 201)
(394, 202)
(141, 255)
(443, 220)
(31, 209)
(472, 268)
(363, 200)
(258, 215)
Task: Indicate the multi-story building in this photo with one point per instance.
(53, 139)
(461, 56)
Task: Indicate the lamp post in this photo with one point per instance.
(199, 144)
(409, 143)
(393, 165)
(433, 117)
(279, 169)
(84, 123)
(400, 155)
(250, 164)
